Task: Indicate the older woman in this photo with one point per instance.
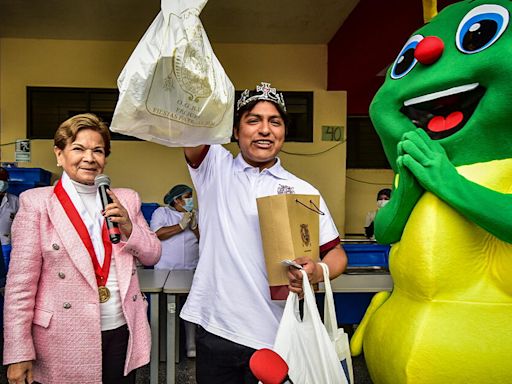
(74, 312)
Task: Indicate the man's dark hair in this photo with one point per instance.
(249, 107)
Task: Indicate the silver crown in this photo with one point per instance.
(267, 93)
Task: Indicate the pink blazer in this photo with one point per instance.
(51, 310)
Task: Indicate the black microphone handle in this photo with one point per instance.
(113, 228)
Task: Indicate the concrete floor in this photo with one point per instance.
(186, 372)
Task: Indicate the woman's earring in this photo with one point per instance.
(58, 165)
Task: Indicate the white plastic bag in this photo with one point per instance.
(173, 90)
(337, 335)
(305, 344)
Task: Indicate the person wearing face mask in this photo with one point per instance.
(74, 311)
(383, 197)
(8, 208)
(176, 227)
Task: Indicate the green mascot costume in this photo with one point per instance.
(444, 116)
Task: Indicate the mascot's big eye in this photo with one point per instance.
(405, 60)
(481, 27)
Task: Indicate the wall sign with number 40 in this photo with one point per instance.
(332, 132)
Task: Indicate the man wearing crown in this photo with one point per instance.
(230, 298)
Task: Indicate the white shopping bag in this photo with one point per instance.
(173, 90)
(305, 345)
(337, 335)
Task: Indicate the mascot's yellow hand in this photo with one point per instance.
(356, 343)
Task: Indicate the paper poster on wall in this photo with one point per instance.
(22, 150)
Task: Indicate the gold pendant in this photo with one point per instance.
(104, 293)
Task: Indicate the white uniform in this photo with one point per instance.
(230, 296)
(8, 208)
(180, 251)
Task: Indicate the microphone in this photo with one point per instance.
(269, 367)
(103, 183)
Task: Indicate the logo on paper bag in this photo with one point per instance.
(304, 234)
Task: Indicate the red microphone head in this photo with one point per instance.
(268, 366)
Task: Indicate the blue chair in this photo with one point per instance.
(6, 258)
(148, 209)
(21, 179)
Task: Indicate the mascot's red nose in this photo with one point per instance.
(429, 50)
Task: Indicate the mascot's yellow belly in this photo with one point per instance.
(449, 318)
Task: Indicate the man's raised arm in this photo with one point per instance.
(195, 155)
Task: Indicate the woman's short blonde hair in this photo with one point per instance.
(68, 130)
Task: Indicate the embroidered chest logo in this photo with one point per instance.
(304, 234)
(285, 190)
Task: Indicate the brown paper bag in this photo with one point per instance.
(289, 225)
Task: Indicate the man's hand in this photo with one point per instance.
(295, 275)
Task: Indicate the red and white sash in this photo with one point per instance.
(92, 231)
